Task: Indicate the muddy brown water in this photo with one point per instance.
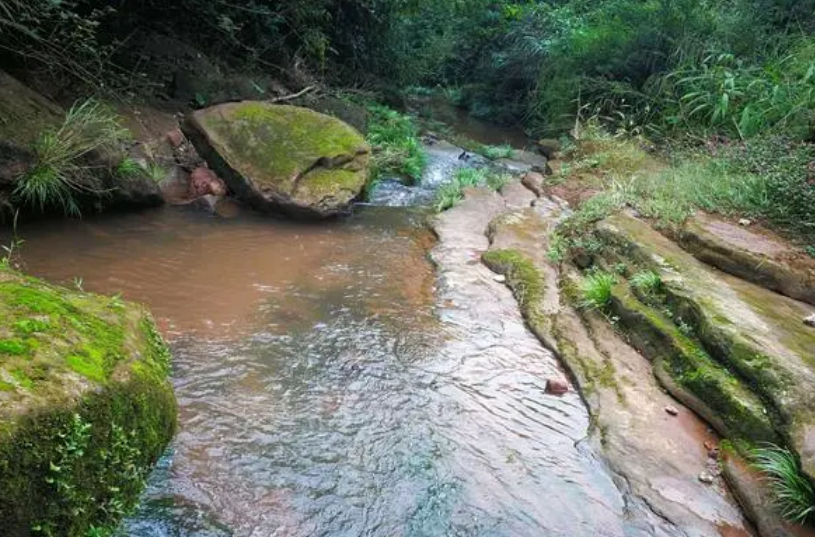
(333, 382)
(330, 383)
(438, 108)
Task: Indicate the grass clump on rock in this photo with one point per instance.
(597, 290)
(63, 164)
(793, 491)
(451, 193)
(648, 282)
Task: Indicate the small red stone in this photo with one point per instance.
(557, 386)
(175, 137)
(203, 181)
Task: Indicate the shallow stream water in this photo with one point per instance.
(331, 382)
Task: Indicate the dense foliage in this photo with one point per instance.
(738, 67)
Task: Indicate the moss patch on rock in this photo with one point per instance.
(86, 407)
(731, 405)
(524, 279)
(752, 333)
(283, 158)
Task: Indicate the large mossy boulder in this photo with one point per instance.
(283, 159)
(86, 407)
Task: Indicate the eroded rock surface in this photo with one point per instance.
(754, 344)
(658, 456)
(758, 257)
(283, 159)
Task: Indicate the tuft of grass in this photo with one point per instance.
(647, 282)
(156, 172)
(793, 491)
(596, 291)
(395, 140)
(129, 167)
(495, 152)
(451, 193)
(62, 168)
(447, 196)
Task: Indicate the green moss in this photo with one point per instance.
(285, 157)
(27, 327)
(22, 378)
(88, 325)
(526, 281)
(85, 413)
(323, 182)
(284, 140)
(15, 346)
(743, 413)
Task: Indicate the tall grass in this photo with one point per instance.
(741, 97)
(397, 148)
(793, 491)
(63, 167)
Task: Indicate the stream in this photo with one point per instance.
(332, 381)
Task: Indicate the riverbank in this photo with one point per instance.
(568, 260)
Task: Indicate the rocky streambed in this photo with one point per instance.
(363, 377)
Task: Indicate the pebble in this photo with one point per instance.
(672, 410)
(707, 478)
(557, 386)
(500, 278)
(175, 137)
(810, 321)
(745, 222)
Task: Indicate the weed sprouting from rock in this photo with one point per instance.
(596, 291)
(793, 491)
(64, 164)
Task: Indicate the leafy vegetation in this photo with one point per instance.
(794, 492)
(596, 290)
(396, 145)
(64, 165)
(451, 193)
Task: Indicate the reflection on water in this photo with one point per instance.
(323, 390)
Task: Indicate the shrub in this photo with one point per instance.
(786, 170)
(63, 166)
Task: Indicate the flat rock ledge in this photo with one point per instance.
(737, 352)
(86, 407)
(760, 257)
(657, 456)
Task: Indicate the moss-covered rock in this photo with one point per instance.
(690, 374)
(283, 159)
(86, 407)
(753, 333)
